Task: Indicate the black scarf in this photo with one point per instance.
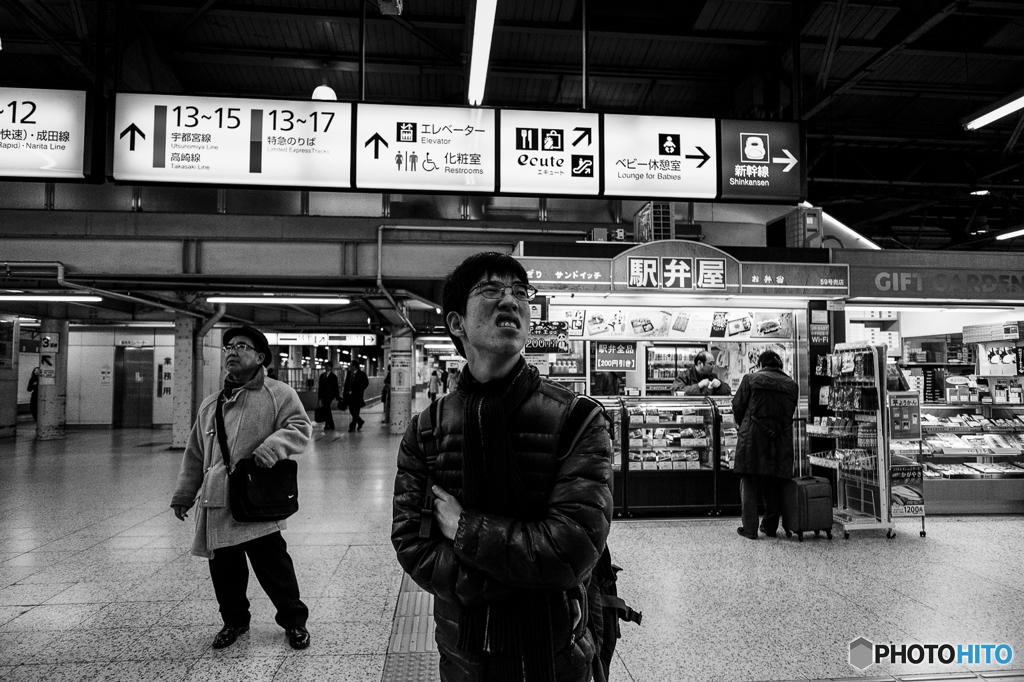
(230, 385)
(516, 632)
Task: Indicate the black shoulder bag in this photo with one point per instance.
(256, 493)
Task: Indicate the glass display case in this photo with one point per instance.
(973, 457)
(670, 455)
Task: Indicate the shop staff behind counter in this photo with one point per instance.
(700, 379)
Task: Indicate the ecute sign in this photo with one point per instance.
(213, 140)
(548, 152)
(42, 133)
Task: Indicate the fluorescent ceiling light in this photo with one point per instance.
(980, 193)
(279, 300)
(483, 30)
(994, 111)
(51, 299)
(1011, 234)
(440, 346)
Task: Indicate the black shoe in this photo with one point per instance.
(749, 537)
(352, 428)
(771, 534)
(227, 636)
(298, 638)
(359, 426)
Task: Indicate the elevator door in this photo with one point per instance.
(133, 388)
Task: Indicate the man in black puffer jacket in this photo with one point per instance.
(516, 529)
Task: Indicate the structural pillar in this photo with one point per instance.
(9, 350)
(184, 380)
(402, 375)
(53, 380)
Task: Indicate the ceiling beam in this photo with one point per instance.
(198, 14)
(39, 20)
(831, 43)
(881, 58)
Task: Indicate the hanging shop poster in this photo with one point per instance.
(681, 323)
(7, 344)
(615, 357)
(548, 337)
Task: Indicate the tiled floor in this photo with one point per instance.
(96, 582)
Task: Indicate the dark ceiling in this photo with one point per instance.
(881, 90)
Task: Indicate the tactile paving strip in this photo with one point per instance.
(412, 652)
(410, 668)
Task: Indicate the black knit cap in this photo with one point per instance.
(259, 341)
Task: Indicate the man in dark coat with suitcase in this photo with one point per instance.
(763, 407)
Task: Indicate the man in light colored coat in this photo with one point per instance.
(263, 420)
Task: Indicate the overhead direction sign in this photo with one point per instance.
(219, 140)
(760, 160)
(42, 133)
(660, 156)
(444, 149)
(549, 152)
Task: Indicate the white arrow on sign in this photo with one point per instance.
(789, 159)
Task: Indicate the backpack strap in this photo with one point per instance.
(427, 438)
(581, 413)
(623, 610)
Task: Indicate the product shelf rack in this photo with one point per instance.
(862, 474)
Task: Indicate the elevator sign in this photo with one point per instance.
(215, 140)
(444, 149)
(42, 133)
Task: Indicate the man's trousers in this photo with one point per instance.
(274, 570)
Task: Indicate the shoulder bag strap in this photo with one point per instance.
(427, 437)
(222, 437)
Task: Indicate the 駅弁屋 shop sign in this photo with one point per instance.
(42, 133)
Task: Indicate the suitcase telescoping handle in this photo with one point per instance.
(801, 460)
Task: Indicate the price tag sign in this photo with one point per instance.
(42, 133)
(425, 148)
(219, 140)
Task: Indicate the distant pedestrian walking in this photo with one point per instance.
(352, 395)
(33, 389)
(433, 386)
(327, 392)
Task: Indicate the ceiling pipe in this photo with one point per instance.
(380, 279)
(59, 270)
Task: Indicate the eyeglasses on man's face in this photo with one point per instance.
(495, 290)
(237, 347)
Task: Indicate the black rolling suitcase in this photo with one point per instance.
(806, 502)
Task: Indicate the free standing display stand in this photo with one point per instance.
(858, 399)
